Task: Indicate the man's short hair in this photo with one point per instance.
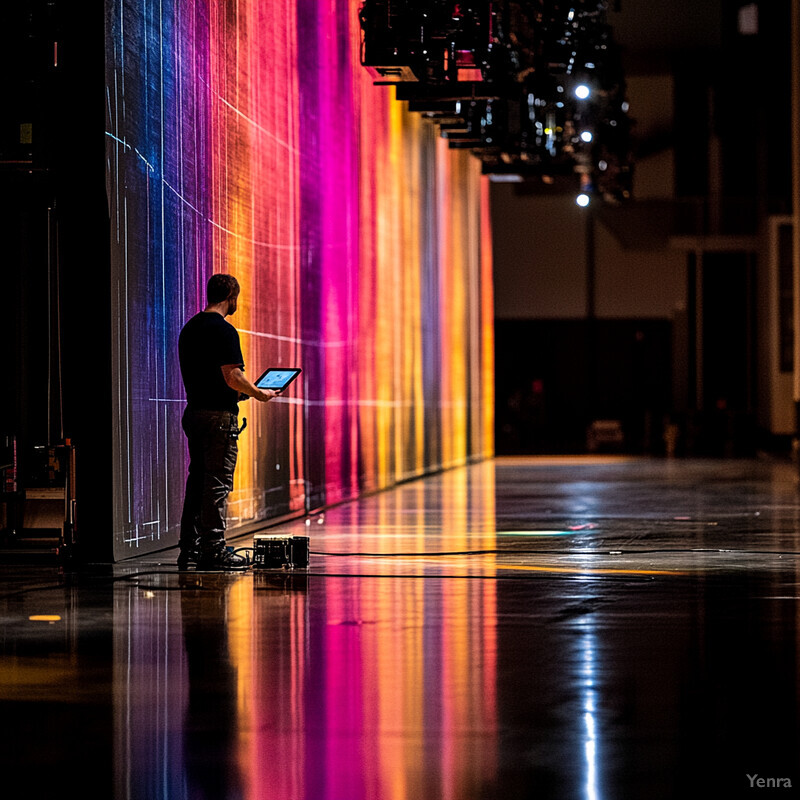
(220, 287)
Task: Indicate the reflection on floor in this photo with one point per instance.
(521, 628)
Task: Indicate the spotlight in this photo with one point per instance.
(586, 136)
(583, 200)
(582, 91)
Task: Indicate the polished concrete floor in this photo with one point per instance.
(591, 629)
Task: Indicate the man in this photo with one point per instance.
(212, 368)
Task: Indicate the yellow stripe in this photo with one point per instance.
(577, 571)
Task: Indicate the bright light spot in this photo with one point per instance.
(582, 200)
(505, 178)
(582, 91)
(44, 618)
(625, 106)
(603, 166)
(590, 709)
(586, 136)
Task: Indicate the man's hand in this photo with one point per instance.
(265, 395)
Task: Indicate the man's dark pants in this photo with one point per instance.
(213, 449)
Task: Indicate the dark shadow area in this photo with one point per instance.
(554, 378)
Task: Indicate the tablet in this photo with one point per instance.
(277, 378)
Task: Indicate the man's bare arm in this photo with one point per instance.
(237, 380)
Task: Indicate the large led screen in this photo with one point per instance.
(246, 138)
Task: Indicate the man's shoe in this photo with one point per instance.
(223, 559)
(189, 556)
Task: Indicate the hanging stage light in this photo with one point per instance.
(534, 89)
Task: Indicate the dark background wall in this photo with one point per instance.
(662, 312)
(54, 234)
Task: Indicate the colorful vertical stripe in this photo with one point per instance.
(246, 138)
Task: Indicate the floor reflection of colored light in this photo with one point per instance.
(408, 671)
(536, 533)
(276, 761)
(313, 687)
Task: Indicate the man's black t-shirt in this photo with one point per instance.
(208, 342)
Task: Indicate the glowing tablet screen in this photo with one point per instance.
(277, 378)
